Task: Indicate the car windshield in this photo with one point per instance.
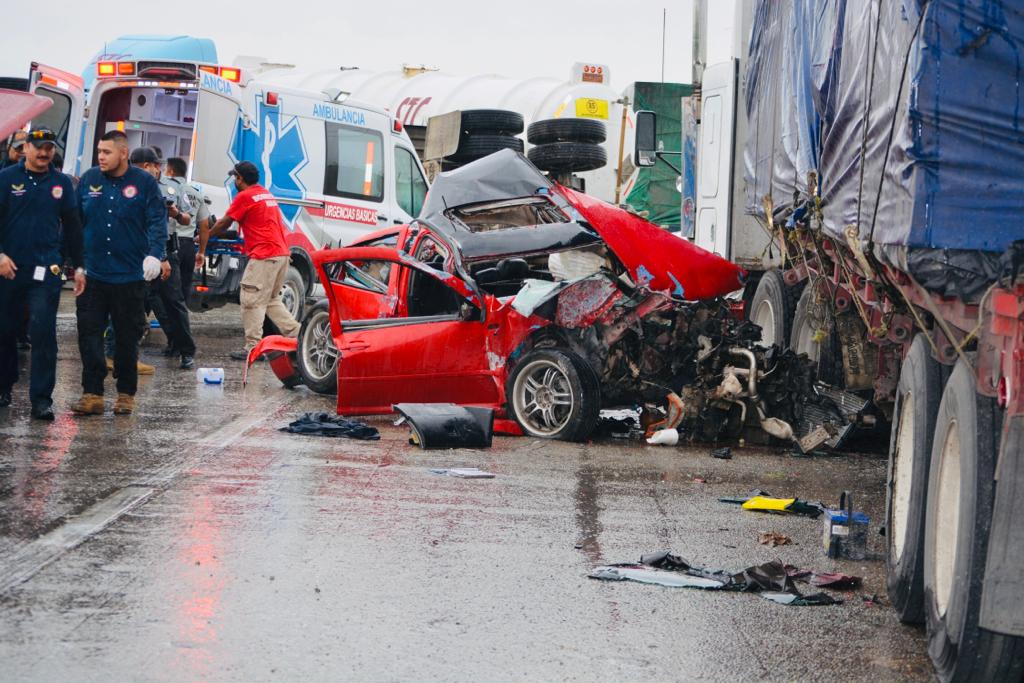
(507, 214)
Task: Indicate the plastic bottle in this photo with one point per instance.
(210, 375)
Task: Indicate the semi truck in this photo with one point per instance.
(863, 162)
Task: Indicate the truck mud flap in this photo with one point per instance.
(1002, 600)
(280, 352)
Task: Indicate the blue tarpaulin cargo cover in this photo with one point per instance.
(911, 113)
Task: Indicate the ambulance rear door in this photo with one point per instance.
(220, 120)
(66, 116)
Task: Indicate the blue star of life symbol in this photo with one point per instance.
(275, 145)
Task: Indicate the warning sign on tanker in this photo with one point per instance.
(590, 108)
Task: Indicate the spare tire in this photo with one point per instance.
(566, 130)
(568, 156)
(492, 121)
(479, 145)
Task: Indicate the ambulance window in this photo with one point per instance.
(410, 187)
(55, 118)
(355, 166)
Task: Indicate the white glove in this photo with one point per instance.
(150, 268)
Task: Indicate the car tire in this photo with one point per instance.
(566, 130)
(961, 492)
(568, 393)
(479, 145)
(293, 292)
(568, 157)
(772, 308)
(813, 317)
(498, 121)
(316, 357)
(917, 404)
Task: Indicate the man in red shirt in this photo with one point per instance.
(259, 220)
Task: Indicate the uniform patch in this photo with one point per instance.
(17, 190)
(95, 190)
(129, 191)
(57, 192)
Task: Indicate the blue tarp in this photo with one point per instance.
(909, 111)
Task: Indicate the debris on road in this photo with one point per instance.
(462, 472)
(846, 530)
(760, 501)
(664, 437)
(325, 424)
(724, 453)
(446, 425)
(773, 539)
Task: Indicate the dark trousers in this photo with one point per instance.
(168, 306)
(41, 300)
(125, 306)
(186, 265)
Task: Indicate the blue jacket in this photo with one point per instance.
(124, 220)
(39, 222)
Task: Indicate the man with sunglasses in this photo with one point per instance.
(39, 228)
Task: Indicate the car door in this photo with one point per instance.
(424, 355)
(66, 116)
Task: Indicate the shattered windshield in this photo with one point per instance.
(503, 215)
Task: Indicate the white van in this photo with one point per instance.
(338, 169)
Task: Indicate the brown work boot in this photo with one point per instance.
(124, 405)
(89, 404)
(144, 369)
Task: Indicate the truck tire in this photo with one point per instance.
(492, 121)
(910, 447)
(566, 130)
(479, 145)
(317, 356)
(772, 307)
(569, 157)
(961, 491)
(293, 292)
(814, 332)
(554, 394)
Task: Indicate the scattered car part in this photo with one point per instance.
(664, 437)
(462, 472)
(446, 425)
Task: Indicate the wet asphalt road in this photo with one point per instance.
(194, 541)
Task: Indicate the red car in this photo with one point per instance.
(510, 292)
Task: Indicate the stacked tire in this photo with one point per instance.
(567, 145)
(486, 131)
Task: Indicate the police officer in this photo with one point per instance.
(125, 233)
(39, 227)
(176, 171)
(166, 299)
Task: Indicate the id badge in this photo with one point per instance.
(39, 274)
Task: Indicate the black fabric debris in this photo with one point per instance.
(325, 424)
(724, 453)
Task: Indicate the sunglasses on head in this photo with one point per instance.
(42, 135)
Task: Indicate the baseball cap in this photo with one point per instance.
(143, 155)
(41, 136)
(247, 171)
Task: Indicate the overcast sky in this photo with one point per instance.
(520, 39)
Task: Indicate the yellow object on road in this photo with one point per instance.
(768, 504)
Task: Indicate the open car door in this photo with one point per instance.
(66, 117)
(433, 350)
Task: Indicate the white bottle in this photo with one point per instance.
(210, 375)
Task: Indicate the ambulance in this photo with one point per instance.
(338, 169)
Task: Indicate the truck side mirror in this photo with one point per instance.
(646, 149)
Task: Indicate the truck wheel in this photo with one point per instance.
(293, 292)
(772, 308)
(553, 394)
(492, 121)
(814, 332)
(961, 490)
(561, 157)
(565, 130)
(479, 145)
(910, 448)
(317, 356)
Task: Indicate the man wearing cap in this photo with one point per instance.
(15, 149)
(259, 220)
(166, 298)
(125, 228)
(39, 229)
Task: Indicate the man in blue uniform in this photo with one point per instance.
(125, 228)
(39, 228)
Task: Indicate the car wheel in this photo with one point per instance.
(317, 356)
(478, 145)
(961, 492)
(553, 394)
(910, 448)
(492, 121)
(561, 157)
(772, 308)
(566, 130)
(293, 292)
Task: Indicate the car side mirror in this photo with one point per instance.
(468, 312)
(646, 149)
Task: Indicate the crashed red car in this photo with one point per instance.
(510, 292)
